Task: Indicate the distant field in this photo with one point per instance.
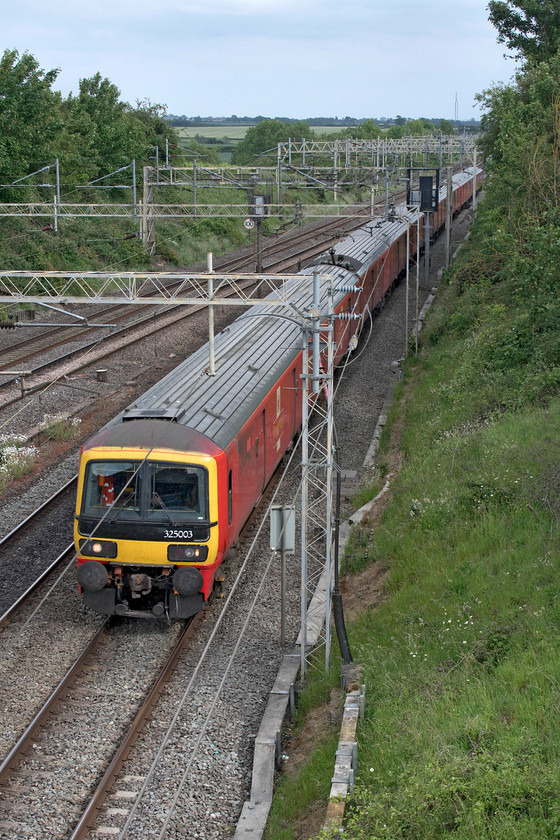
(237, 132)
(215, 132)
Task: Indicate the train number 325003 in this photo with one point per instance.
(178, 535)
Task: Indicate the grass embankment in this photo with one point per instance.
(462, 657)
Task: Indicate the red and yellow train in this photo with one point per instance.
(165, 488)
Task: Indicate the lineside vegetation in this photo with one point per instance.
(95, 136)
(461, 659)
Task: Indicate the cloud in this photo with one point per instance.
(289, 57)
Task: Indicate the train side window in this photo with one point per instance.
(230, 498)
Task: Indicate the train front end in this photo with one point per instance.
(146, 528)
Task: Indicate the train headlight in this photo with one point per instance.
(98, 548)
(187, 553)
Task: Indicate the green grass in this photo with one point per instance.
(461, 658)
(215, 132)
(238, 132)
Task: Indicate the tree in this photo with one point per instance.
(265, 136)
(417, 128)
(530, 28)
(116, 136)
(521, 139)
(446, 127)
(367, 130)
(30, 117)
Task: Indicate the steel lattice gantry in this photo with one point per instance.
(160, 289)
(328, 165)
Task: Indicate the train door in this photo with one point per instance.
(260, 453)
(296, 399)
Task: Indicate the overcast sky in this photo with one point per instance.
(294, 58)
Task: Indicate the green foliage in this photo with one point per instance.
(202, 153)
(367, 130)
(265, 137)
(395, 132)
(412, 128)
(521, 140)
(460, 735)
(446, 127)
(530, 28)
(482, 794)
(59, 427)
(79, 245)
(106, 133)
(30, 117)
(417, 128)
(461, 658)
(93, 133)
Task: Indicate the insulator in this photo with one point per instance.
(348, 316)
(349, 288)
(7, 325)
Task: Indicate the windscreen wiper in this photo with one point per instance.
(157, 498)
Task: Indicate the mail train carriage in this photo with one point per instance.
(165, 488)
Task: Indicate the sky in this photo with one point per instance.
(291, 58)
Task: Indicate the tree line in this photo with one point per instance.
(260, 142)
(518, 226)
(93, 133)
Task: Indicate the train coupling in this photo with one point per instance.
(140, 584)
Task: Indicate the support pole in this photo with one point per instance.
(448, 217)
(386, 193)
(329, 480)
(57, 201)
(304, 503)
(211, 345)
(259, 248)
(279, 177)
(283, 587)
(407, 289)
(134, 207)
(427, 250)
(417, 279)
(474, 199)
(147, 217)
(316, 334)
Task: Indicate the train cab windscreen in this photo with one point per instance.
(147, 491)
(177, 490)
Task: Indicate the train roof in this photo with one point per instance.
(260, 345)
(154, 433)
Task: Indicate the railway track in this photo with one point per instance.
(219, 769)
(20, 352)
(284, 254)
(78, 737)
(57, 762)
(39, 544)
